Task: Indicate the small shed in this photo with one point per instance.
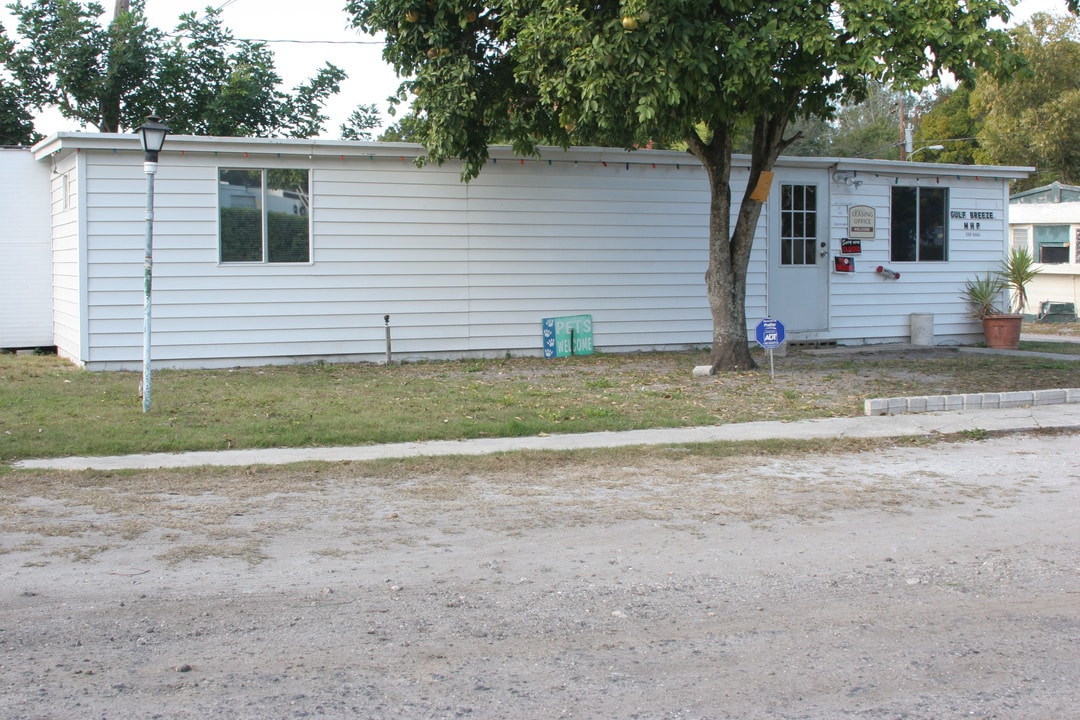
(277, 251)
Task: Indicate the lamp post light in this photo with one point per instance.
(152, 135)
(928, 147)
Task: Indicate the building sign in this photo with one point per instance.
(862, 220)
(570, 335)
(850, 246)
(970, 222)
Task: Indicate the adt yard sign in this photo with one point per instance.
(570, 335)
(770, 333)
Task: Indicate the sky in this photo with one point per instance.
(313, 32)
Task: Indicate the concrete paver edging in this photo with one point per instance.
(971, 401)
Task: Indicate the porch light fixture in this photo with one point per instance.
(152, 136)
(845, 179)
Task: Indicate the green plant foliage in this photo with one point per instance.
(16, 122)
(361, 122)
(949, 121)
(288, 239)
(1033, 117)
(1016, 272)
(983, 294)
(202, 81)
(241, 234)
(534, 72)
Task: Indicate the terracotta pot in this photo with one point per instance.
(1002, 332)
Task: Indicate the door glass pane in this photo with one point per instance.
(798, 225)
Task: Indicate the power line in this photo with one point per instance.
(316, 42)
(293, 42)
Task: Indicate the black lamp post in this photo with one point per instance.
(152, 135)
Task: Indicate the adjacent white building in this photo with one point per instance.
(274, 251)
(26, 280)
(1046, 221)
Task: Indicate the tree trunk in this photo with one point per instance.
(729, 256)
(729, 248)
(110, 102)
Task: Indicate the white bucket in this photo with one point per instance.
(922, 329)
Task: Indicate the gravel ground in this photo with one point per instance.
(932, 582)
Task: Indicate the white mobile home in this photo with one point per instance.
(270, 251)
(1046, 221)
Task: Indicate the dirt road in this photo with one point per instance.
(937, 582)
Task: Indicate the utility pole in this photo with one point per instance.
(904, 150)
(122, 6)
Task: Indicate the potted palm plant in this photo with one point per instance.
(1001, 329)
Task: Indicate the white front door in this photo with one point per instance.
(799, 255)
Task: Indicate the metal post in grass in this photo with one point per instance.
(152, 135)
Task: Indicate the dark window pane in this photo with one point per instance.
(1053, 255)
(904, 223)
(932, 225)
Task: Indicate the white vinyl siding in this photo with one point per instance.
(25, 251)
(865, 308)
(459, 268)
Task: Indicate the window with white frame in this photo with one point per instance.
(1021, 239)
(264, 215)
(920, 231)
(1052, 244)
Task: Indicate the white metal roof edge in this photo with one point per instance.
(330, 148)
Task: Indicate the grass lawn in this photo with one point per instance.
(49, 408)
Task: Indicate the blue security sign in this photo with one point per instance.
(770, 333)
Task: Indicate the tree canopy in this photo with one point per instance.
(361, 123)
(16, 122)
(1033, 117)
(111, 76)
(949, 121)
(623, 73)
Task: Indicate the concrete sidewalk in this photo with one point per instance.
(1064, 416)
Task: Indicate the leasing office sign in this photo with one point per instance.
(862, 220)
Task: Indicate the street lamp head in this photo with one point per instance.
(152, 135)
(927, 147)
